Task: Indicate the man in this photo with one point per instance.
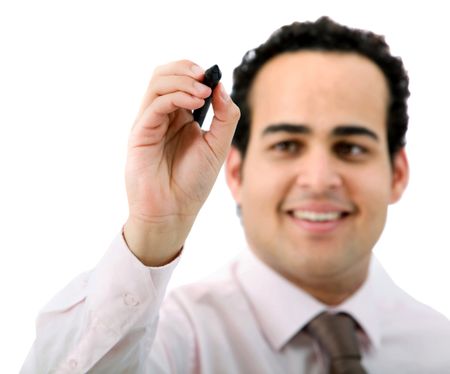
(317, 157)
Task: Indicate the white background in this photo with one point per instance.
(72, 75)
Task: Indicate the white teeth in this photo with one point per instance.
(315, 216)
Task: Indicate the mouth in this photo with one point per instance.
(316, 222)
(311, 216)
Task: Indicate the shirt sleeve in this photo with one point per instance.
(105, 318)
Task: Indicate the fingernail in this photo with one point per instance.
(223, 94)
(197, 70)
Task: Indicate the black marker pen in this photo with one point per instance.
(212, 78)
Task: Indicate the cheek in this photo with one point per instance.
(261, 197)
(371, 191)
(263, 188)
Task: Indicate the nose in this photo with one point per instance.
(318, 172)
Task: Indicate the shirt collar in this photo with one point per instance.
(282, 309)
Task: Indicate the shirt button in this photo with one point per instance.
(130, 300)
(73, 364)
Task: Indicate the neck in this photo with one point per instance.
(334, 289)
(334, 295)
(330, 287)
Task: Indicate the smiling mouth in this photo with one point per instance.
(319, 223)
(311, 216)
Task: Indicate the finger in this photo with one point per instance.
(169, 103)
(172, 83)
(226, 116)
(162, 106)
(181, 67)
(164, 81)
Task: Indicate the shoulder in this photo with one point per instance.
(217, 290)
(207, 309)
(421, 316)
(406, 319)
(417, 335)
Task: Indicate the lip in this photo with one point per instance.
(320, 227)
(324, 227)
(318, 207)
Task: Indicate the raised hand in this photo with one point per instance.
(172, 164)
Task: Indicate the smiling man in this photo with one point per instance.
(317, 157)
(317, 177)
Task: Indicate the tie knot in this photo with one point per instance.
(336, 334)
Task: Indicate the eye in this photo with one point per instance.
(350, 150)
(287, 146)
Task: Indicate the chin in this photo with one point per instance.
(326, 263)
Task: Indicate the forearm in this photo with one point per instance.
(101, 317)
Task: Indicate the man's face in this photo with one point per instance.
(317, 179)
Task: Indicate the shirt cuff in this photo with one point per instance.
(122, 292)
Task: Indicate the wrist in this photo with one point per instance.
(153, 245)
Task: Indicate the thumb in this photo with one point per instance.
(226, 116)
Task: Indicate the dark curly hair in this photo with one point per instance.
(325, 35)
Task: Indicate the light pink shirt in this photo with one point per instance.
(245, 319)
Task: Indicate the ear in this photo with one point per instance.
(233, 166)
(400, 176)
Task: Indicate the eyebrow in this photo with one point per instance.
(286, 127)
(349, 130)
(341, 130)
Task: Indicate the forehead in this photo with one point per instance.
(320, 89)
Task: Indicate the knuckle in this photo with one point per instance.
(157, 70)
(179, 95)
(185, 62)
(235, 112)
(151, 85)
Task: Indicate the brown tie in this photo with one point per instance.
(336, 334)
